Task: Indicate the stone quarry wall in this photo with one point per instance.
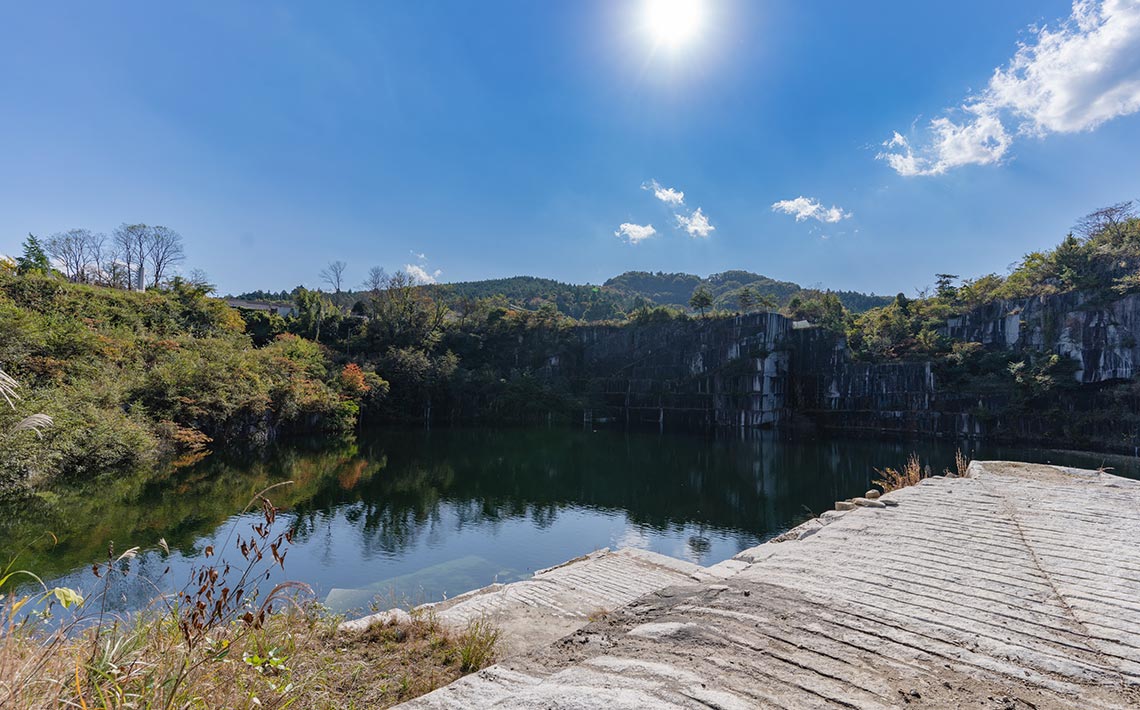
(726, 372)
(1103, 337)
(832, 391)
(758, 370)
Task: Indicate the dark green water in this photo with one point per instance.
(417, 515)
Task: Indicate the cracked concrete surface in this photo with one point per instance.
(1017, 587)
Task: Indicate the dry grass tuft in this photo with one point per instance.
(296, 659)
(892, 479)
(961, 463)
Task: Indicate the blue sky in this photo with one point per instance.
(504, 138)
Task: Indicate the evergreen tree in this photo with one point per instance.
(746, 299)
(701, 300)
(35, 259)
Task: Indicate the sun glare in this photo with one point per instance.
(673, 23)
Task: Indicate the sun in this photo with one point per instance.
(673, 23)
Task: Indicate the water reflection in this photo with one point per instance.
(428, 513)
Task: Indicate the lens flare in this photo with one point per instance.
(673, 23)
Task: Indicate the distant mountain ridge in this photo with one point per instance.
(618, 295)
(674, 289)
(633, 289)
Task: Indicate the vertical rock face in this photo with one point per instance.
(840, 394)
(759, 369)
(1103, 337)
(727, 371)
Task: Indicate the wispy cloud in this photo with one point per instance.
(1065, 80)
(635, 233)
(803, 208)
(696, 224)
(422, 275)
(666, 194)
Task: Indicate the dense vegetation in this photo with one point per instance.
(129, 376)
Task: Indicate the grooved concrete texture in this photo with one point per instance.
(559, 600)
(1017, 587)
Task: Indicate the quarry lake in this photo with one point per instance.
(413, 516)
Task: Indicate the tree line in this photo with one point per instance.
(133, 257)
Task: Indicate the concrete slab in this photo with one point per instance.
(557, 601)
(1017, 587)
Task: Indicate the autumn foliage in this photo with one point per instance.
(352, 379)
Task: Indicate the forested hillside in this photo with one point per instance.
(725, 288)
(616, 298)
(128, 377)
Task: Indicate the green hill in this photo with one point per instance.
(615, 297)
(676, 288)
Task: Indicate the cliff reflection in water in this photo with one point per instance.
(494, 503)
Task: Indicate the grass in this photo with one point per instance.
(296, 659)
(913, 471)
(894, 479)
(219, 642)
(961, 464)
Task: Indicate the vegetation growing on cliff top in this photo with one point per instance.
(1101, 259)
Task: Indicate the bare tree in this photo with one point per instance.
(72, 251)
(1109, 221)
(333, 274)
(200, 279)
(132, 241)
(99, 254)
(376, 280)
(163, 250)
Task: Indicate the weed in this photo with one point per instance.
(961, 466)
(892, 479)
(477, 645)
(219, 643)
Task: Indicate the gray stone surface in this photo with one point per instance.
(1016, 587)
(559, 600)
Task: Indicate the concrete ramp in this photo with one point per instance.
(1015, 588)
(533, 613)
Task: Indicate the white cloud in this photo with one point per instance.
(666, 194)
(1071, 79)
(980, 140)
(1077, 77)
(418, 254)
(696, 224)
(810, 208)
(421, 275)
(634, 233)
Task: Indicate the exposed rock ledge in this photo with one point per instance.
(1016, 587)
